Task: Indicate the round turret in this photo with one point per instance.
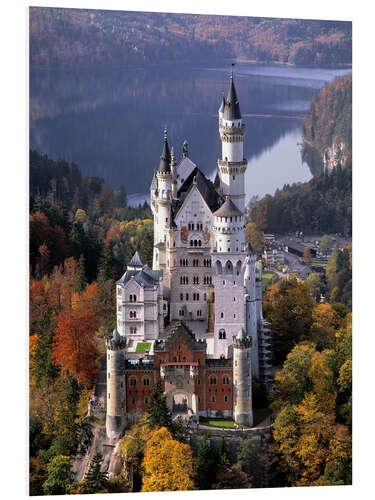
(116, 396)
(229, 228)
(242, 396)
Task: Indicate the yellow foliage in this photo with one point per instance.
(168, 464)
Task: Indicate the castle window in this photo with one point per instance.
(199, 313)
(213, 399)
(234, 299)
(133, 314)
(133, 381)
(199, 381)
(222, 334)
(181, 296)
(221, 315)
(199, 243)
(133, 401)
(146, 400)
(225, 398)
(187, 296)
(146, 381)
(205, 296)
(225, 380)
(191, 243)
(213, 380)
(181, 312)
(164, 307)
(133, 329)
(199, 399)
(184, 359)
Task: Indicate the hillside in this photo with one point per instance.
(87, 38)
(327, 128)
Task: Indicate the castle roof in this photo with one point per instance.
(165, 159)
(136, 261)
(227, 209)
(145, 277)
(204, 186)
(232, 106)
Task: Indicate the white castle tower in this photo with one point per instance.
(161, 198)
(232, 165)
(229, 228)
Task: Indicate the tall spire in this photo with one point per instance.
(232, 106)
(165, 158)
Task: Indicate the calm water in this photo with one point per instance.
(110, 122)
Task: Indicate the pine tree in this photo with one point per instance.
(158, 413)
(96, 481)
(205, 471)
(43, 369)
(81, 280)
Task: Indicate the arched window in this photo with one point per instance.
(219, 268)
(222, 334)
(195, 243)
(213, 380)
(228, 267)
(225, 380)
(133, 381)
(199, 243)
(146, 381)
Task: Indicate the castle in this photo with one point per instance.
(195, 319)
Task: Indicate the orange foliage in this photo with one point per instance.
(74, 344)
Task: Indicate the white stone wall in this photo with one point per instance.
(229, 299)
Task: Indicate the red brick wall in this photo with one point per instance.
(140, 391)
(219, 390)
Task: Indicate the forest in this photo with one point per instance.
(324, 204)
(327, 127)
(88, 38)
(81, 235)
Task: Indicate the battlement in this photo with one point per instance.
(242, 343)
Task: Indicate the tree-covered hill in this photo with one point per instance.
(324, 204)
(77, 38)
(327, 128)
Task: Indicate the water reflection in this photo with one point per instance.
(110, 121)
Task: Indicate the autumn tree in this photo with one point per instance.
(315, 282)
(74, 346)
(255, 237)
(168, 464)
(289, 307)
(325, 323)
(307, 258)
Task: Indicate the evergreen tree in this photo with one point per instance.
(205, 471)
(147, 248)
(158, 413)
(67, 428)
(81, 280)
(43, 370)
(96, 481)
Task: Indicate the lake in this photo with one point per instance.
(110, 121)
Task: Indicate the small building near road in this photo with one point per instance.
(297, 248)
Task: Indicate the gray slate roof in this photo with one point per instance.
(227, 209)
(205, 187)
(146, 277)
(232, 105)
(165, 159)
(136, 261)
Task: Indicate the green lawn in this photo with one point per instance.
(268, 278)
(259, 415)
(143, 346)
